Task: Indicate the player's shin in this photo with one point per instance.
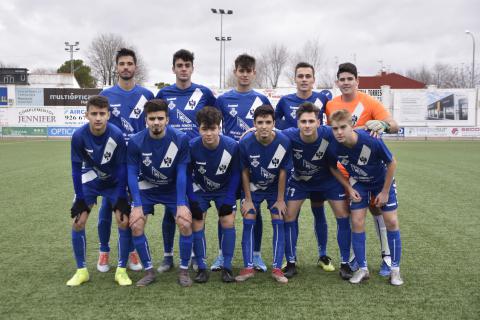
(381, 230)
(344, 237)
(199, 248)
(290, 241)
(228, 246)
(395, 243)
(358, 244)
(185, 245)
(79, 244)
(321, 229)
(124, 240)
(104, 224)
(143, 250)
(258, 233)
(248, 242)
(278, 242)
(168, 231)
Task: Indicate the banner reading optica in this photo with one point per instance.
(61, 131)
(24, 131)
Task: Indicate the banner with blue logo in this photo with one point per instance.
(61, 131)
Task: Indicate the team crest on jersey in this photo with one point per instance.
(115, 110)
(146, 161)
(364, 156)
(256, 103)
(254, 161)
(202, 170)
(242, 124)
(233, 112)
(194, 99)
(358, 170)
(224, 162)
(321, 150)
(211, 185)
(182, 117)
(157, 174)
(297, 153)
(169, 156)
(277, 157)
(108, 152)
(171, 105)
(126, 125)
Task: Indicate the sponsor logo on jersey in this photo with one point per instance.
(194, 99)
(211, 185)
(242, 124)
(138, 109)
(157, 174)
(169, 156)
(126, 125)
(224, 162)
(364, 156)
(254, 160)
(256, 103)
(309, 165)
(182, 117)
(108, 151)
(321, 150)
(266, 174)
(358, 171)
(277, 157)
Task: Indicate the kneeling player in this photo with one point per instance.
(157, 174)
(311, 178)
(371, 167)
(265, 157)
(215, 172)
(100, 146)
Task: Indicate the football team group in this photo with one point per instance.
(185, 149)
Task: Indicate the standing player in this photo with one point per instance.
(184, 100)
(215, 171)
(157, 174)
(369, 112)
(371, 167)
(126, 108)
(99, 146)
(285, 114)
(265, 157)
(311, 174)
(237, 107)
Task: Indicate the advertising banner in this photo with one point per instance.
(74, 116)
(67, 97)
(24, 131)
(61, 131)
(3, 96)
(29, 97)
(3, 117)
(442, 107)
(35, 116)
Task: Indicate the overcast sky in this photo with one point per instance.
(403, 34)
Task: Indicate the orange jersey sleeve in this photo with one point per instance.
(363, 108)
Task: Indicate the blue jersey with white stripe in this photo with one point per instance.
(366, 161)
(265, 162)
(212, 169)
(237, 109)
(158, 159)
(126, 108)
(184, 105)
(101, 156)
(311, 161)
(285, 111)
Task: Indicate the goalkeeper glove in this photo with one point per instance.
(377, 126)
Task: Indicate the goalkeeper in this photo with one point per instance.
(370, 113)
(98, 155)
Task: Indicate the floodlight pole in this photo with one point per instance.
(221, 12)
(72, 48)
(473, 57)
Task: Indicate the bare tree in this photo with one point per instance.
(101, 56)
(443, 75)
(311, 52)
(272, 63)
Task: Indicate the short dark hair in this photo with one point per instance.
(208, 116)
(341, 115)
(307, 107)
(263, 111)
(98, 101)
(245, 61)
(124, 52)
(155, 105)
(304, 65)
(347, 67)
(183, 54)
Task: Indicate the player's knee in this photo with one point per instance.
(78, 225)
(391, 220)
(277, 217)
(138, 227)
(185, 229)
(227, 221)
(358, 222)
(123, 224)
(198, 225)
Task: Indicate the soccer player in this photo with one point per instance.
(285, 117)
(265, 157)
(215, 175)
(157, 174)
(369, 112)
(99, 146)
(184, 100)
(311, 176)
(237, 107)
(371, 167)
(126, 112)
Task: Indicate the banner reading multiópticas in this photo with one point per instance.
(24, 131)
(67, 97)
(439, 107)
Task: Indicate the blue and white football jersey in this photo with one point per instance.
(265, 162)
(158, 158)
(366, 161)
(212, 169)
(101, 155)
(237, 109)
(311, 161)
(184, 105)
(285, 111)
(126, 108)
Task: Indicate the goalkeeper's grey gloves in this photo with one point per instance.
(377, 126)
